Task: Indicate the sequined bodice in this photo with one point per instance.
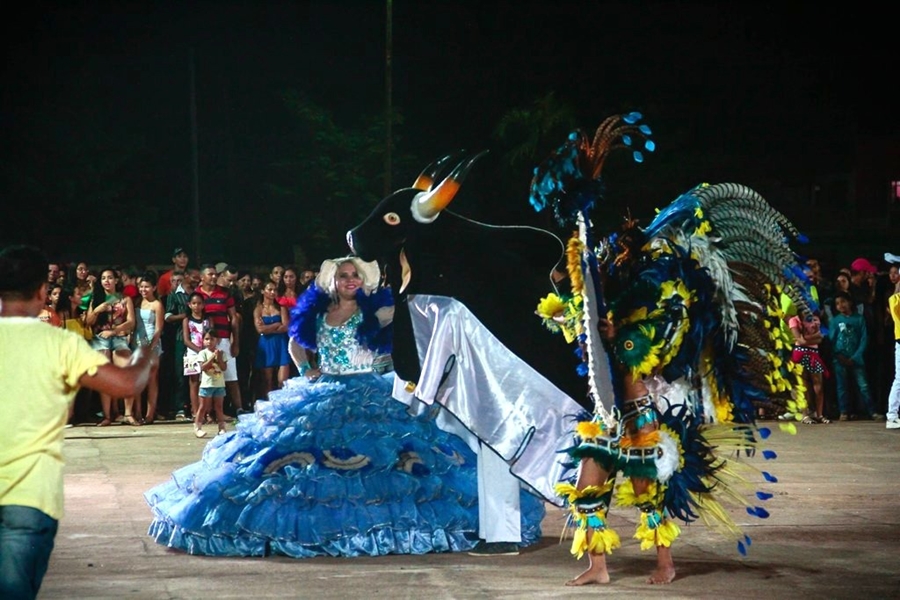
(340, 352)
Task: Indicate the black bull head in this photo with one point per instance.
(498, 272)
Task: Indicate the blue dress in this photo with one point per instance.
(272, 348)
(331, 468)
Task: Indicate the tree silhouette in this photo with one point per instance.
(331, 174)
(527, 134)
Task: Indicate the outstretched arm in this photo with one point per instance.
(129, 380)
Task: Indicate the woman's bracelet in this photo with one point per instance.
(303, 368)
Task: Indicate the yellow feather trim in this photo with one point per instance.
(589, 430)
(603, 541)
(788, 428)
(721, 402)
(574, 250)
(579, 542)
(625, 495)
(572, 493)
(633, 317)
(704, 228)
(599, 541)
(551, 306)
(640, 440)
(662, 535)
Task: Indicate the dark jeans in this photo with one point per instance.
(26, 541)
(857, 373)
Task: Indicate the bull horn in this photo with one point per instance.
(428, 205)
(426, 178)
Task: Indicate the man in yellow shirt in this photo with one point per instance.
(893, 420)
(41, 369)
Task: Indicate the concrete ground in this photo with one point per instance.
(834, 532)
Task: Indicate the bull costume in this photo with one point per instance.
(465, 338)
(679, 328)
(331, 467)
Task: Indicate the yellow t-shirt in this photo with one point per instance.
(214, 377)
(77, 326)
(39, 371)
(894, 306)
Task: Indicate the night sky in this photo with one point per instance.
(97, 123)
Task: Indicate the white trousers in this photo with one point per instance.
(894, 396)
(499, 515)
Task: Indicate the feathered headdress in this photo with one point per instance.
(570, 180)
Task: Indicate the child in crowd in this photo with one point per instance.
(212, 384)
(193, 328)
(807, 335)
(49, 314)
(849, 340)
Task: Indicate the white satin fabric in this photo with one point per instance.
(499, 398)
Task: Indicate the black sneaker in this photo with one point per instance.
(483, 548)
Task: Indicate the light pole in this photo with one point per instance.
(388, 49)
(195, 187)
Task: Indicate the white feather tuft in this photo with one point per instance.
(668, 458)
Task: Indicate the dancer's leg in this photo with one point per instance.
(590, 473)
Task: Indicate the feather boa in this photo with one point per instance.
(315, 302)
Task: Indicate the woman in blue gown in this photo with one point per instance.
(330, 465)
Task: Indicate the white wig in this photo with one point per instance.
(368, 271)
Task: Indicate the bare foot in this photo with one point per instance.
(665, 566)
(593, 574)
(662, 575)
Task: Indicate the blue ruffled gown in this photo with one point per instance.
(331, 468)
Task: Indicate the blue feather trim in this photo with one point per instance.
(315, 302)
(302, 328)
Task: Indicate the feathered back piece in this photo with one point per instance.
(747, 229)
(733, 261)
(737, 225)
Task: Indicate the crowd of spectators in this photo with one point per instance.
(118, 308)
(855, 331)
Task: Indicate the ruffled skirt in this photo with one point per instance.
(334, 468)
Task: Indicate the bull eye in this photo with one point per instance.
(392, 218)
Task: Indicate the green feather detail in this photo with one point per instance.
(634, 344)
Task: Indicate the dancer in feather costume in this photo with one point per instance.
(678, 326)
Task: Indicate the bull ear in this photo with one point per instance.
(426, 178)
(428, 205)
